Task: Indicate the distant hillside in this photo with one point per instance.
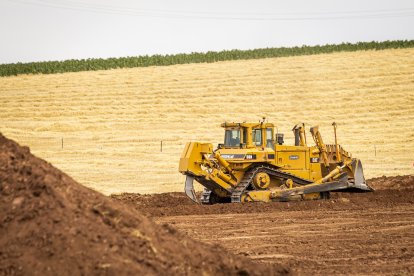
(51, 67)
(104, 128)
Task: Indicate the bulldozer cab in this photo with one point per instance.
(233, 137)
(248, 135)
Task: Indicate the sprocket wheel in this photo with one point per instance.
(261, 180)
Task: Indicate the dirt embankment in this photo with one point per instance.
(51, 225)
(392, 182)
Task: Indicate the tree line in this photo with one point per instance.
(51, 67)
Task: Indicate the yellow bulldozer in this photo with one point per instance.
(254, 164)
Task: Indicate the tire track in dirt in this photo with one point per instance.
(367, 241)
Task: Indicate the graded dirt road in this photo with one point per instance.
(370, 233)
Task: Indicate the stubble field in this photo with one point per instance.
(104, 128)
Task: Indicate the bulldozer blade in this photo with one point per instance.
(359, 183)
(339, 184)
(189, 188)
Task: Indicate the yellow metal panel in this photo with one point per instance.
(315, 171)
(206, 148)
(263, 196)
(292, 159)
(192, 156)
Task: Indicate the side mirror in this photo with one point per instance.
(220, 146)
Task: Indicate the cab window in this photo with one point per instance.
(257, 137)
(232, 138)
(269, 138)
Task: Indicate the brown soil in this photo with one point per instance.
(364, 233)
(392, 183)
(389, 191)
(51, 225)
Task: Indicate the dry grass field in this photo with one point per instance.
(112, 121)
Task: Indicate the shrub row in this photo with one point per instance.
(51, 67)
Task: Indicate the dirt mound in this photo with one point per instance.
(49, 224)
(392, 182)
(401, 190)
(173, 200)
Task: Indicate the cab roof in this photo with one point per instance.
(245, 124)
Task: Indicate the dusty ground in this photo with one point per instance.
(370, 233)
